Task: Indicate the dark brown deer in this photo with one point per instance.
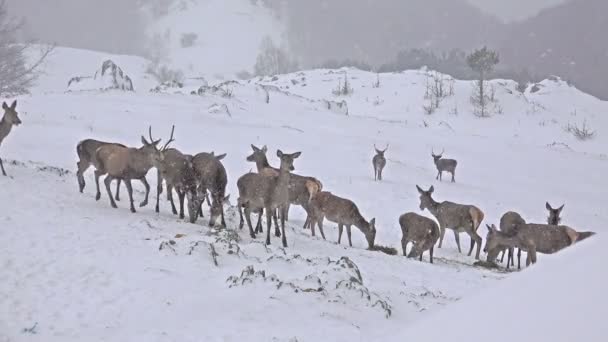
(447, 165)
(420, 230)
(379, 162)
(554, 214)
(127, 164)
(343, 212)
(86, 158)
(458, 217)
(268, 192)
(9, 119)
(212, 178)
(301, 188)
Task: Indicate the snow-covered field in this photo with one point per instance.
(74, 269)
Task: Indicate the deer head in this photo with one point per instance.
(380, 152)
(554, 214)
(426, 199)
(490, 240)
(258, 153)
(370, 235)
(436, 157)
(10, 113)
(287, 160)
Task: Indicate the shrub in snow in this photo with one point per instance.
(109, 76)
(167, 86)
(336, 107)
(582, 132)
(164, 74)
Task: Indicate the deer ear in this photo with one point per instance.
(264, 149)
(296, 155)
(254, 148)
(561, 208)
(548, 206)
(419, 189)
(144, 141)
(221, 156)
(279, 153)
(14, 105)
(431, 189)
(4, 106)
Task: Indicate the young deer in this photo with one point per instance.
(458, 217)
(379, 162)
(554, 214)
(126, 164)
(259, 191)
(301, 188)
(508, 225)
(10, 119)
(343, 212)
(86, 157)
(420, 230)
(212, 177)
(448, 165)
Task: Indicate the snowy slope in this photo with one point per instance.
(77, 269)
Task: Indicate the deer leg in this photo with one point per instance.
(375, 173)
(283, 218)
(457, 238)
(431, 253)
(473, 245)
(340, 229)
(107, 181)
(181, 196)
(117, 197)
(269, 213)
(248, 218)
(453, 181)
(159, 189)
(519, 258)
(312, 226)
(4, 172)
(259, 228)
(437, 177)
(441, 234)
(320, 224)
(348, 233)
(240, 206)
(380, 174)
(404, 246)
(97, 175)
(79, 174)
(223, 220)
(476, 239)
(275, 215)
(170, 197)
(503, 256)
(512, 254)
(147, 186)
(130, 192)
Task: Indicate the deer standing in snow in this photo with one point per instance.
(10, 119)
(86, 157)
(379, 162)
(420, 230)
(447, 165)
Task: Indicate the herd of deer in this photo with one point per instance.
(272, 190)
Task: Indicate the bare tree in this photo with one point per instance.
(273, 60)
(19, 62)
(483, 62)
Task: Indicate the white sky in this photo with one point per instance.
(510, 10)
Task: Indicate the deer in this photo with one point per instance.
(301, 188)
(126, 163)
(267, 192)
(554, 214)
(420, 230)
(85, 149)
(458, 217)
(379, 162)
(508, 225)
(442, 164)
(342, 211)
(211, 177)
(9, 119)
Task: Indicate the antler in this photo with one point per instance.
(171, 139)
(386, 147)
(150, 133)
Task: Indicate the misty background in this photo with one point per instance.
(535, 38)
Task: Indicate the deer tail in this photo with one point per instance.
(476, 217)
(313, 187)
(81, 151)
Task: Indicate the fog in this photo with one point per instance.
(512, 10)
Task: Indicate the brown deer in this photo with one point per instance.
(86, 155)
(420, 230)
(10, 119)
(211, 177)
(260, 191)
(343, 212)
(301, 188)
(508, 225)
(458, 217)
(448, 165)
(126, 164)
(379, 162)
(554, 214)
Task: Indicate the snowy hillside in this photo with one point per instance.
(75, 269)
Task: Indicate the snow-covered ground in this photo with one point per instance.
(74, 269)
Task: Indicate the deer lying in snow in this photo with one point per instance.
(212, 177)
(301, 188)
(420, 230)
(379, 162)
(447, 165)
(86, 158)
(343, 212)
(9, 119)
(267, 192)
(126, 164)
(458, 217)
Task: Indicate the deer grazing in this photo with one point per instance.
(508, 225)
(86, 157)
(554, 214)
(447, 165)
(458, 217)
(343, 212)
(420, 230)
(10, 119)
(267, 192)
(379, 162)
(301, 188)
(211, 177)
(126, 163)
